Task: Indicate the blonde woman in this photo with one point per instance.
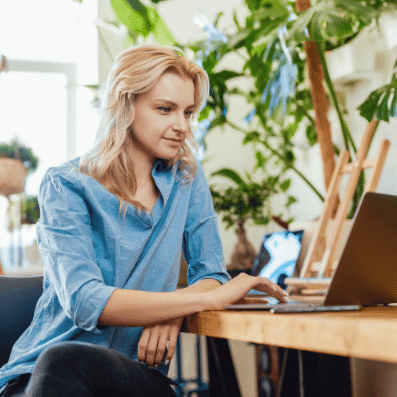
(112, 228)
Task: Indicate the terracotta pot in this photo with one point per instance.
(12, 176)
(243, 255)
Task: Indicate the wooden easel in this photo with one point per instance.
(320, 260)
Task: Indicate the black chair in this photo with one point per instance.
(18, 298)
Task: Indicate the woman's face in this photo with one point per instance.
(162, 118)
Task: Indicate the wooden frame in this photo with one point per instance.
(321, 258)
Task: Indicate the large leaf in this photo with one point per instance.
(232, 175)
(381, 103)
(135, 19)
(225, 75)
(332, 20)
(271, 9)
(137, 6)
(159, 28)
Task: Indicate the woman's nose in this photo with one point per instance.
(181, 123)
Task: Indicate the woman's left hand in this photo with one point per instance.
(157, 341)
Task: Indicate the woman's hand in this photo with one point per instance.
(157, 341)
(234, 291)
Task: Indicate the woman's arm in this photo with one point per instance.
(128, 308)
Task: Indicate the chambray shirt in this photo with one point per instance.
(89, 249)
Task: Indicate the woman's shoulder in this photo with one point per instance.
(67, 173)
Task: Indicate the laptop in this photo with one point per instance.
(366, 274)
(278, 255)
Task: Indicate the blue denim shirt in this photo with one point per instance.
(89, 249)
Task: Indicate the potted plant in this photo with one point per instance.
(283, 45)
(246, 200)
(16, 162)
(30, 210)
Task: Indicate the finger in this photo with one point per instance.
(251, 301)
(161, 346)
(152, 346)
(272, 289)
(173, 338)
(142, 345)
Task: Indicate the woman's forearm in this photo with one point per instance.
(128, 308)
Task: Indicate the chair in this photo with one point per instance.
(18, 298)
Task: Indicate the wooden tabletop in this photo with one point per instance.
(370, 333)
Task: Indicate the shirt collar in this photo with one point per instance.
(164, 177)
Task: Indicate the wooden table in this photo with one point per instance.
(370, 333)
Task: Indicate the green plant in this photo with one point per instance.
(30, 210)
(280, 43)
(246, 199)
(15, 150)
(142, 20)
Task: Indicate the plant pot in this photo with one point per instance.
(12, 176)
(243, 255)
(352, 61)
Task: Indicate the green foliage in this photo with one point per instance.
(141, 20)
(277, 137)
(381, 103)
(246, 199)
(30, 211)
(14, 150)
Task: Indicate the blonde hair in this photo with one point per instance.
(135, 71)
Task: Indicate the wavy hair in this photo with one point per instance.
(135, 71)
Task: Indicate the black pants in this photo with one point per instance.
(72, 369)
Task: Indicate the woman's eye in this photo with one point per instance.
(164, 109)
(188, 113)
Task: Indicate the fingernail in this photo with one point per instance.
(274, 287)
(286, 293)
(167, 362)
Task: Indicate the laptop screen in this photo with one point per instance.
(277, 257)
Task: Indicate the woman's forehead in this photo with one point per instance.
(173, 88)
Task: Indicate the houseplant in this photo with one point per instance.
(280, 42)
(242, 201)
(30, 210)
(16, 162)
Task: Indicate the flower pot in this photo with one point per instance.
(12, 176)
(388, 27)
(352, 61)
(243, 255)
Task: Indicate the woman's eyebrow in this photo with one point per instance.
(171, 103)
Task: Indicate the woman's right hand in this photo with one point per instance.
(234, 291)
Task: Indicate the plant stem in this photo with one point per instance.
(292, 167)
(345, 130)
(283, 159)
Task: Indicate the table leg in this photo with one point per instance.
(314, 374)
(222, 376)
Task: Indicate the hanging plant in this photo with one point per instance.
(15, 150)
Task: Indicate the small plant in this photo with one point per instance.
(15, 150)
(247, 200)
(30, 210)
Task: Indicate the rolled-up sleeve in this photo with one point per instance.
(202, 245)
(65, 240)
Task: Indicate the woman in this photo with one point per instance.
(112, 228)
